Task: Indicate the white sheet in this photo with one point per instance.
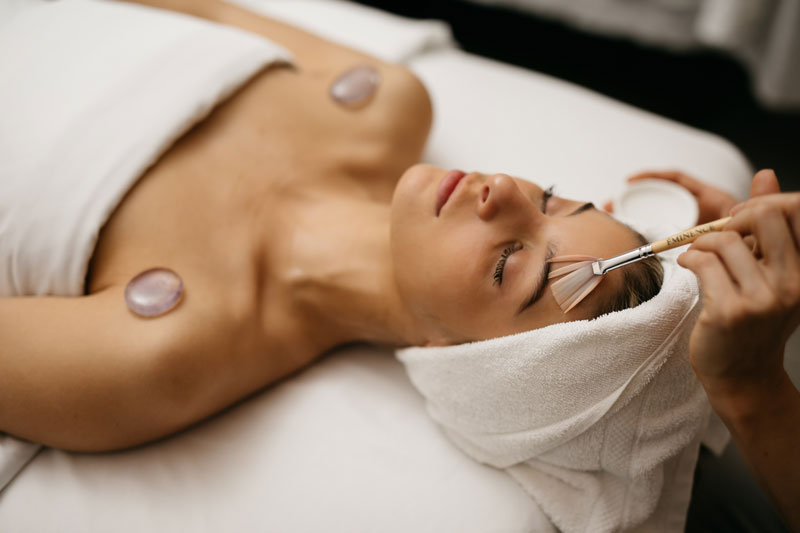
(346, 446)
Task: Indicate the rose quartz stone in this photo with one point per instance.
(154, 292)
(355, 86)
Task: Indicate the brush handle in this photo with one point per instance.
(689, 235)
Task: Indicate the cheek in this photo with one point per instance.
(449, 287)
(435, 272)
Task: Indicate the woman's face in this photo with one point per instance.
(470, 264)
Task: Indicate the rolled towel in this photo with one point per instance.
(585, 415)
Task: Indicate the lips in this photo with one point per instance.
(446, 188)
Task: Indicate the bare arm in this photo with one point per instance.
(751, 307)
(86, 374)
(764, 421)
(81, 373)
(64, 363)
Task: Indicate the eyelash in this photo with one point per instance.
(546, 195)
(498, 270)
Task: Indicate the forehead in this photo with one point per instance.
(594, 232)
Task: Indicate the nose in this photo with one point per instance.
(501, 195)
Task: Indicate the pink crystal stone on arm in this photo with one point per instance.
(355, 86)
(154, 292)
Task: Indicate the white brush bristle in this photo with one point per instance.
(575, 286)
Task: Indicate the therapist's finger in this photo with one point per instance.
(774, 237)
(787, 201)
(781, 258)
(778, 216)
(794, 223)
(752, 245)
(764, 182)
(737, 259)
(714, 279)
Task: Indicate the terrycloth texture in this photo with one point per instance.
(588, 416)
(91, 94)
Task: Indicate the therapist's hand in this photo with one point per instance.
(750, 280)
(712, 203)
(751, 299)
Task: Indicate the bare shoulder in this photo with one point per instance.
(87, 374)
(406, 85)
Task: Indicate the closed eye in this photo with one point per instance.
(501, 264)
(546, 195)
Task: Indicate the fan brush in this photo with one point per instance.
(586, 272)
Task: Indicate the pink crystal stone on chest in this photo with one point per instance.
(154, 292)
(355, 86)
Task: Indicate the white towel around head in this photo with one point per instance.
(583, 414)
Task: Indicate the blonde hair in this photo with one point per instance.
(640, 282)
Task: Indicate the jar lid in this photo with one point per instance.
(656, 202)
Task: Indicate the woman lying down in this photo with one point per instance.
(296, 218)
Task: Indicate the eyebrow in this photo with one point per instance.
(581, 209)
(541, 282)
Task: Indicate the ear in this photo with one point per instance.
(764, 182)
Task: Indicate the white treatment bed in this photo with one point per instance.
(347, 445)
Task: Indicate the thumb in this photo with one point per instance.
(764, 182)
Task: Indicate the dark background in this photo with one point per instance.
(704, 89)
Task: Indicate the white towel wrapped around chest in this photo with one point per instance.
(586, 414)
(91, 94)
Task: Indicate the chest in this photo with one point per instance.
(288, 122)
(198, 209)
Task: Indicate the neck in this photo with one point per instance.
(337, 267)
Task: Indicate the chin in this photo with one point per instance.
(413, 197)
